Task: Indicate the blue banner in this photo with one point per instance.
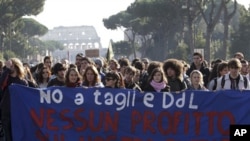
(99, 114)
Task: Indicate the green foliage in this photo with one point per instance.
(12, 10)
(122, 48)
(240, 39)
(31, 27)
(9, 54)
(182, 49)
(53, 45)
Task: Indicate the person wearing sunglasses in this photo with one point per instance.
(113, 80)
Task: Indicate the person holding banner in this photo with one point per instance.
(157, 82)
(14, 73)
(73, 78)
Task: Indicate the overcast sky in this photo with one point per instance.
(83, 12)
(87, 12)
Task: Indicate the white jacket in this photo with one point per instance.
(227, 85)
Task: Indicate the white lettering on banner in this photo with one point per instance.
(122, 100)
(96, 95)
(191, 106)
(180, 102)
(56, 96)
(79, 99)
(147, 98)
(165, 94)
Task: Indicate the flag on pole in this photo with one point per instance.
(110, 52)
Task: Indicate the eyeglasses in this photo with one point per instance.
(108, 79)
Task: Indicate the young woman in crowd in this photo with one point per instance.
(29, 77)
(14, 73)
(73, 78)
(91, 77)
(43, 77)
(197, 81)
(129, 75)
(113, 80)
(157, 82)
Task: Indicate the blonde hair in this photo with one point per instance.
(200, 74)
(19, 67)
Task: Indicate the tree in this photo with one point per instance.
(31, 28)
(162, 21)
(227, 18)
(11, 10)
(210, 19)
(123, 20)
(240, 39)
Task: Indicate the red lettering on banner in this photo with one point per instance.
(221, 117)
(197, 118)
(176, 121)
(133, 139)
(113, 123)
(67, 119)
(98, 138)
(161, 117)
(58, 137)
(81, 119)
(171, 123)
(148, 119)
(211, 116)
(92, 121)
(136, 118)
(37, 119)
(50, 120)
(41, 136)
(111, 138)
(186, 123)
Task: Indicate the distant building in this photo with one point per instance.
(76, 39)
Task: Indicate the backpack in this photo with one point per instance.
(215, 83)
(223, 81)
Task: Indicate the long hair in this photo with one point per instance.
(19, 67)
(97, 78)
(163, 78)
(40, 74)
(79, 78)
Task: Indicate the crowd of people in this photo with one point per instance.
(171, 75)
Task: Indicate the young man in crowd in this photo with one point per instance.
(199, 64)
(233, 80)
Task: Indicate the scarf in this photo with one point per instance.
(158, 86)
